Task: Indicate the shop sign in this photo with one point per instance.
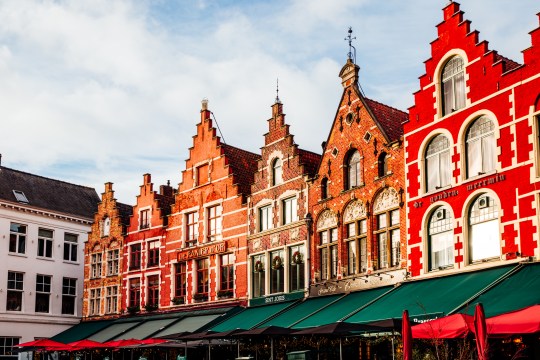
(204, 251)
(273, 299)
(418, 319)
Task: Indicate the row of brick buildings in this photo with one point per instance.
(451, 186)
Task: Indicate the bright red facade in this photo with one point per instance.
(471, 154)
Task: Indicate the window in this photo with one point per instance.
(14, 291)
(144, 219)
(227, 272)
(19, 195)
(437, 163)
(135, 257)
(95, 265)
(480, 147)
(265, 218)
(69, 292)
(94, 301)
(192, 225)
(8, 349)
(135, 292)
(388, 239)
(324, 188)
(277, 172)
(258, 275)
(180, 279)
(43, 293)
(113, 265)
(153, 253)
(17, 238)
(45, 243)
(277, 272)
(484, 230)
(214, 223)
(453, 85)
(70, 247)
(329, 254)
(297, 256)
(353, 174)
(202, 276)
(153, 290)
(111, 300)
(289, 211)
(357, 246)
(382, 164)
(441, 239)
(106, 226)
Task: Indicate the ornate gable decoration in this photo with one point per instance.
(327, 220)
(387, 199)
(355, 210)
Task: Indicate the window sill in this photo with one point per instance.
(383, 177)
(70, 262)
(352, 189)
(44, 258)
(479, 176)
(17, 254)
(435, 191)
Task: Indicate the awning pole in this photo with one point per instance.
(271, 348)
(238, 345)
(340, 351)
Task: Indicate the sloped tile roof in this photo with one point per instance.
(310, 160)
(389, 118)
(125, 211)
(49, 194)
(508, 64)
(243, 164)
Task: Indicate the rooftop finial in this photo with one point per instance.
(352, 50)
(277, 91)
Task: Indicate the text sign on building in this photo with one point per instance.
(272, 299)
(202, 251)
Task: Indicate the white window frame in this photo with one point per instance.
(289, 210)
(45, 243)
(71, 247)
(265, 217)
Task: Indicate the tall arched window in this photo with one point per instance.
(324, 188)
(106, 226)
(437, 162)
(382, 164)
(387, 229)
(453, 85)
(484, 231)
(480, 147)
(353, 172)
(277, 172)
(441, 239)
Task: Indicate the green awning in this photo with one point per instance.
(190, 323)
(113, 331)
(81, 331)
(428, 298)
(517, 291)
(145, 329)
(342, 307)
(251, 317)
(299, 312)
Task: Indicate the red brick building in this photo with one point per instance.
(206, 252)
(357, 198)
(278, 217)
(103, 261)
(472, 154)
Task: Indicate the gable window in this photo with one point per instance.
(277, 172)
(19, 195)
(227, 272)
(382, 164)
(202, 276)
(17, 238)
(111, 300)
(297, 255)
(153, 253)
(437, 162)
(95, 265)
(180, 280)
(265, 218)
(94, 301)
(15, 287)
(277, 272)
(353, 171)
(45, 243)
(484, 233)
(357, 246)
(324, 188)
(135, 257)
(69, 292)
(135, 293)
(214, 223)
(70, 247)
(289, 210)
(441, 239)
(106, 226)
(192, 223)
(328, 252)
(153, 290)
(258, 271)
(43, 293)
(144, 219)
(453, 85)
(481, 147)
(113, 262)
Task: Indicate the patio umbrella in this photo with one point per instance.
(481, 332)
(195, 336)
(122, 343)
(524, 321)
(406, 335)
(447, 327)
(152, 341)
(42, 344)
(387, 324)
(83, 345)
(270, 331)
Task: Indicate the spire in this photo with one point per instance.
(352, 50)
(349, 72)
(277, 92)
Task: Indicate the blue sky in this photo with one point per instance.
(102, 90)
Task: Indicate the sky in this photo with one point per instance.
(96, 91)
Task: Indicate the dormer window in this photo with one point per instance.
(353, 171)
(277, 172)
(19, 195)
(144, 219)
(453, 85)
(106, 226)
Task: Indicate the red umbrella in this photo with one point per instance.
(524, 321)
(447, 327)
(481, 332)
(42, 343)
(122, 343)
(152, 341)
(84, 344)
(406, 335)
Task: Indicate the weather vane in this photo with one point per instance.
(352, 50)
(277, 90)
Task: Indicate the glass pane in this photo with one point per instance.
(474, 158)
(484, 240)
(351, 230)
(381, 221)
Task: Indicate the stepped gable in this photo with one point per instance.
(390, 119)
(243, 165)
(49, 194)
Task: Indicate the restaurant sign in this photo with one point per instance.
(204, 251)
(273, 299)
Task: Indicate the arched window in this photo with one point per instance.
(382, 164)
(437, 163)
(484, 231)
(324, 188)
(106, 226)
(277, 172)
(387, 229)
(480, 147)
(441, 239)
(327, 233)
(355, 219)
(353, 173)
(453, 85)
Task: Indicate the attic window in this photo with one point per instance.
(335, 152)
(19, 195)
(367, 137)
